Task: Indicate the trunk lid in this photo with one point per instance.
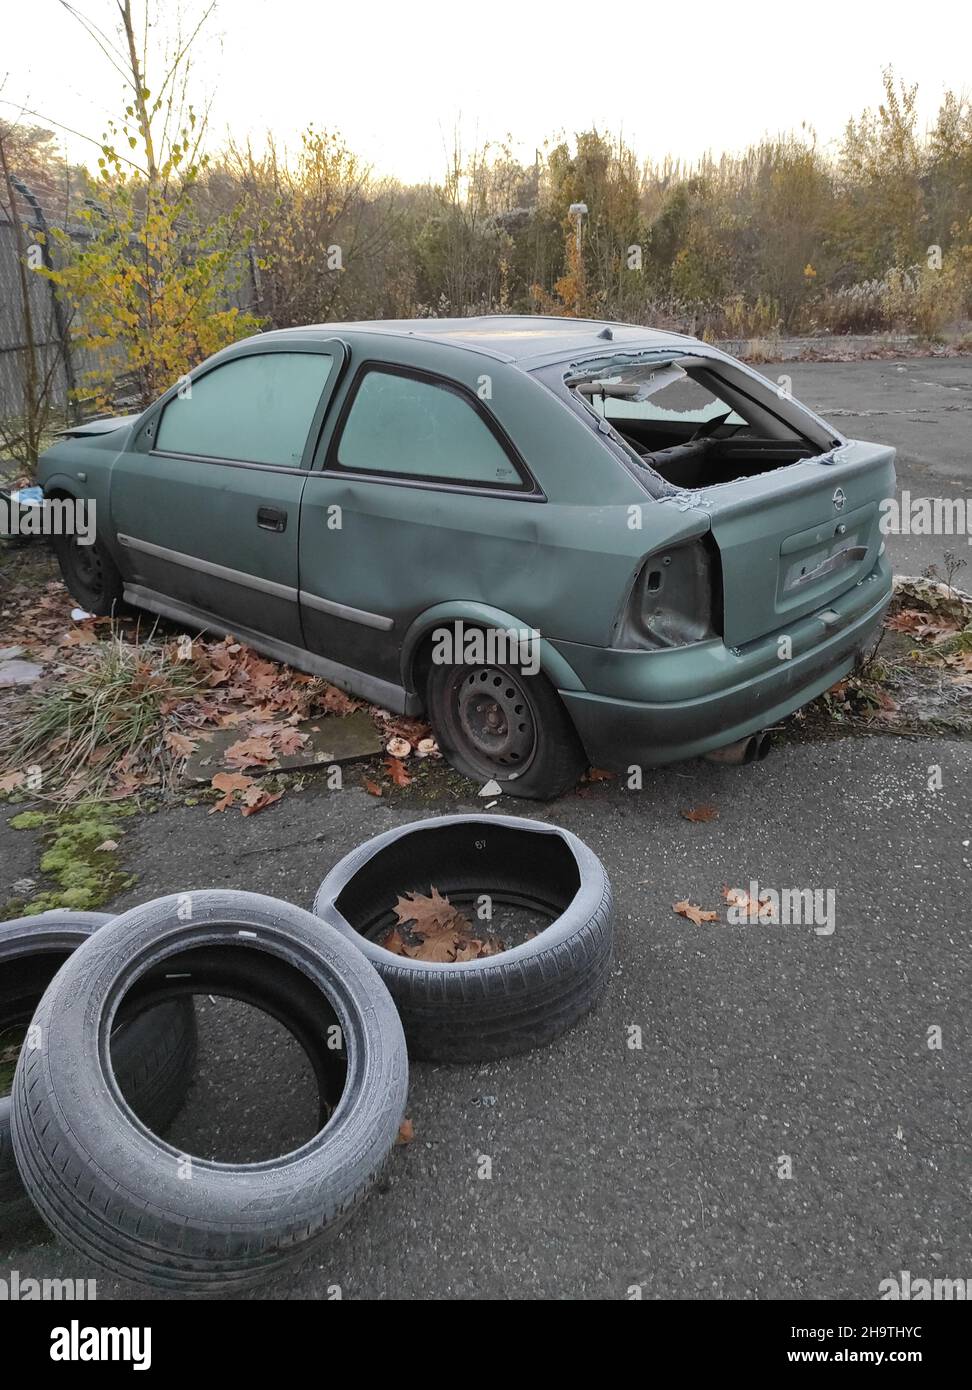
(792, 540)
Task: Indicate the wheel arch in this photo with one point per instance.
(415, 647)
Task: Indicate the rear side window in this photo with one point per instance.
(255, 409)
(419, 429)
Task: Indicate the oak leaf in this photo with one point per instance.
(694, 913)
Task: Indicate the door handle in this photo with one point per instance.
(271, 519)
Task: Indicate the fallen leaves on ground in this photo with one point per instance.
(180, 744)
(397, 772)
(250, 752)
(704, 812)
(694, 913)
(431, 928)
(256, 799)
(406, 1132)
(232, 782)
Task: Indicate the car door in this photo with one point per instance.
(205, 504)
(414, 492)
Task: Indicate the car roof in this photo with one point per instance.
(526, 339)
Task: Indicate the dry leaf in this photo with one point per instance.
(440, 947)
(180, 744)
(250, 752)
(430, 913)
(231, 782)
(252, 804)
(106, 846)
(372, 788)
(337, 702)
(79, 637)
(11, 781)
(396, 771)
(694, 913)
(394, 941)
(705, 812)
(752, 907)
(406, 1132)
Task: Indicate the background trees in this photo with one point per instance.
(168, 248)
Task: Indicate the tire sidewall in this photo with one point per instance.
(320, 1177)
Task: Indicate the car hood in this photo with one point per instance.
(105, 426)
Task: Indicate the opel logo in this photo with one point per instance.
(839, 500)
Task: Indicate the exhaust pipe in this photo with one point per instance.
(747, 750)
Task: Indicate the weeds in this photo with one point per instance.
(106, 716)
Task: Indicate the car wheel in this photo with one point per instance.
(154, 1051)
(521, 998)
(114, 1190)
(496, 723)
(90, 575)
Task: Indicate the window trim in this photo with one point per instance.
(332, 468)
(335, 348)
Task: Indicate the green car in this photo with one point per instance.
(567, 542)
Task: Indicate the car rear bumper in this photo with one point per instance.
(659, 707)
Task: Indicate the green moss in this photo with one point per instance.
(86, 877)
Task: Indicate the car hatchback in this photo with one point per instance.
(567, 542)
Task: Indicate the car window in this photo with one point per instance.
(399, 424)
(668, 395)
(257, 409)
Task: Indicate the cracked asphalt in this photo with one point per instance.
(763, 1049)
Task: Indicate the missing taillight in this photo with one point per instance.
(674, 600)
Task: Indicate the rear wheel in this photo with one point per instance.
(90, 575)
(496, 723)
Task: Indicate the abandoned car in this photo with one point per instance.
(568, 542)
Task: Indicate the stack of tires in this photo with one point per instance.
(110, 1040)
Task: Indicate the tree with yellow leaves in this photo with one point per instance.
(148, 277)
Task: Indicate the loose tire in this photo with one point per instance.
(495, 723)
(90, 575)
(154, 1051)
(480, 1009)
(115, 1191)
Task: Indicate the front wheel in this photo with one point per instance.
(498, 724)
(90, 575)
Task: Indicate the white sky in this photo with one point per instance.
(396, 79)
